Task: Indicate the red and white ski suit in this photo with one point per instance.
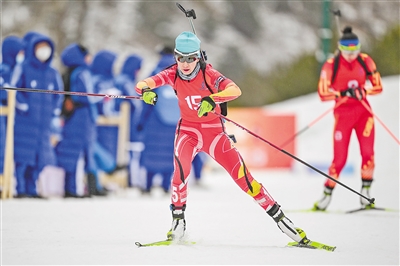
(350, 114)
(207, 133)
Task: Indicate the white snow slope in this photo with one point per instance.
(228, 226)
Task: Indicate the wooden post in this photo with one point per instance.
(123, 134)
(8, 173)
(123, 123)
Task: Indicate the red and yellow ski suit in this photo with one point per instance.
(207, 133)
(350, 113)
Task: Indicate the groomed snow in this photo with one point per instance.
(228, 226)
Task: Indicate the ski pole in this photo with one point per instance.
(371, 200)
(312, 123)
(377, 118)
(73, 93)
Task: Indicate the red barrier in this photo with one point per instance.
(276, 128)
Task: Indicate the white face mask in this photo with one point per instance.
(43, 53)
(20, 58)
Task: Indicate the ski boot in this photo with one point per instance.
(178, 226)
(323, 203)
(366, 186)
(286, 225)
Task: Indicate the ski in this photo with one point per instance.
(315, 211)
(312, 210)
(166, 242)
(312, 245)
(369, 208)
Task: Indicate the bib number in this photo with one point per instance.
(193, 102)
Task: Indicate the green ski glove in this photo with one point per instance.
(149, 96)
(207, 105)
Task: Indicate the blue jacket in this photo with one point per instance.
(32, 122)
(103, 80)
(103, 64)
(126, 82)
(9, 50)
(165, 61)
(159, 123)
(79, 131)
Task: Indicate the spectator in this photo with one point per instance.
(125, 82)
(103, 82)
(80, 114)
(159, 123)
(12, 54)
(34, 113)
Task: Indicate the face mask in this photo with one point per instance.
(20, 58)
(43, 53)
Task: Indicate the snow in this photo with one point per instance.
(228, 226)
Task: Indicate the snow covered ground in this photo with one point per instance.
(228, 226)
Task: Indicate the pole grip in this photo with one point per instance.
(181, 8)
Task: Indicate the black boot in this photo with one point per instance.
(91, 182)
(92, 186)
(365, 190)
(286, 225)
(73, 195)
(178, 226)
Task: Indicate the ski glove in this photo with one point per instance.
(149, 96)
(207, 104)
(356, 93)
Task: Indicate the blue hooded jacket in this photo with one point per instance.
(32, 123)
(103, 64)
(159, 123)
(102, 73)
(126, 82)
(133, 63)
(103, 79)
(10, 48)
(79, 131)
(29, 35)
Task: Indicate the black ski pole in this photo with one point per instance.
(72, 93)
(371, 200)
